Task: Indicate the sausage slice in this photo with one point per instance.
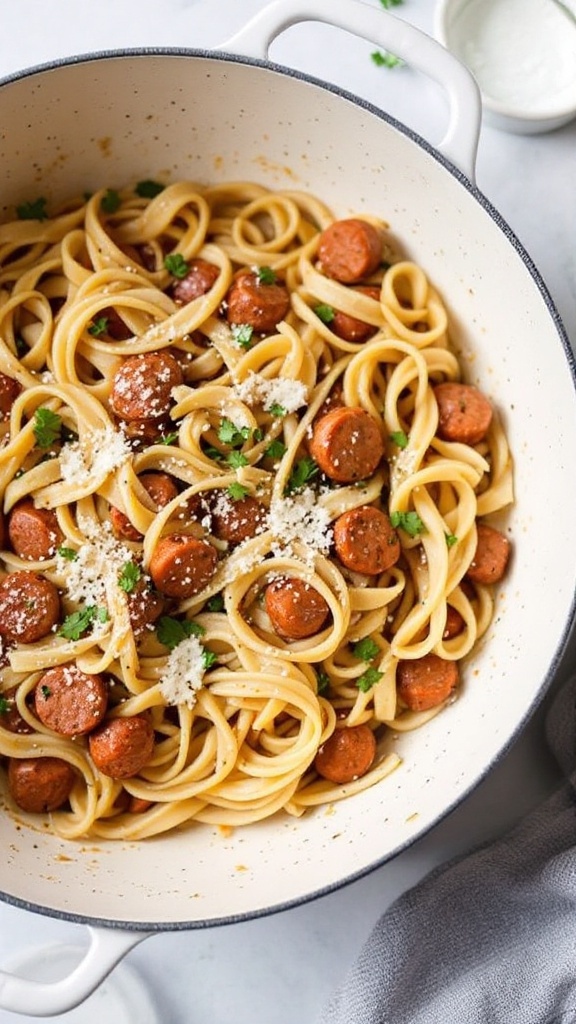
(237, 521)
(251, 301)
(10, 718)
(40, 784)
(181, 565)
(350, 250)
(29, 607)
(347, 444)
(9, 391)
(464, 413)
(295, 609)
(347, 754)
(145, 606)
(34, 533)
(122, 746)
(200, 278)
(491, 556)
(365, 540)
(350, 328)
(70, 702)
(426, 682)
(142, 386)
(161, 488)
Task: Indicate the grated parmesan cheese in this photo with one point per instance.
(300, 518)
(284, 391)
(97, 454)
(98, 564)
(184, 673)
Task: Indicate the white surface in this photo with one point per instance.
(283, 967)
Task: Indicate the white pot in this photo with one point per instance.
(107, 119)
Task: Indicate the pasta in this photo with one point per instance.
(174, 448)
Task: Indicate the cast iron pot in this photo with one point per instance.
(107, 119)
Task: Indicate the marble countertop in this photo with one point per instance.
(282, 968)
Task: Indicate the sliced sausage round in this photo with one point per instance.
(350, 328)
(365, 540)
(454, 623)
(9, 391)
(491, 556)
(40, 784)
(145, 606)
(182, 565)
(116, 328)
(200, 278)
(142, 386)
(347, 754)
(10, 717)
(29, 607)
(464, 413)
(122, 746)
(251, 301)
(425, 682)
(347, 444)
(33, 532)
(295, 609)
(70, 702)
(237, 521)
(161, 488)
(350, 250)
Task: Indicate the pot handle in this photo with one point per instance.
(460, 143)
(45, 999)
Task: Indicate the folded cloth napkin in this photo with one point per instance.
(489, 938)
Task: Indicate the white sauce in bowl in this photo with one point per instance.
(521, 52)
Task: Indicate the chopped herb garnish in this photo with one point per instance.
(171, 632)
(236, 460)
(275, 450)
(68, 553)
(242, 334)
(36, 210)
(45, 691)
(4, 706)
(276, 410)
(304, 470)
(237, 491)
(20, 345)
(366, 649)
(47, 427)
(167, 438)
(368, 679)
(129, 576)
(399, 438)
(98, 326)
(208, 657)
(266, 275)
(148, 189)
(383, 59)
(215, 604)
(324, 313)
(410, 522)
(390, 3)
(110, 201)
(232, 435)
(77, 623)
(176, 265)
(323, 681)
(451, 539)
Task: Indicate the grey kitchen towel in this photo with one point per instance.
(488, 938)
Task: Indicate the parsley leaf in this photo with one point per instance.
(230, 434)
(47, 427)
(390, 3)
(368, 679)
(276, 410)
(68, 553)
(128, 579)
(176, 265)
(275, 450)
(45, 691)
(366, 649)
(35, 210)
(236, 460)
(399, 438)
(216, 603)
(4, 706)
(148, 189)
(324, 313)
(383, 59)
(76, 624)
(451, 539)
(304, 470)
(410, 522)
(98, 326)
(167, 438)
(237, 491)
(171, 632)
(323, 681)
(242, 334)
(208, 657)
(110, 201)
(266, 275)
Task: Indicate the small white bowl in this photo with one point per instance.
(522, 54)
